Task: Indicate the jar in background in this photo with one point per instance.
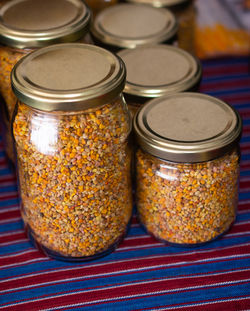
(158, 70)
(187, 167)
(71, 130)
(185, 12)
(128, 25)
(98, 5)
(26, 25)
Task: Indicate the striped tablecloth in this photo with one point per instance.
(142, 274)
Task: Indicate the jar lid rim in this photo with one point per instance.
(68, 77)
(66, 21)
(128, 25)
(157, 70)
(161, 3)
(187, 127)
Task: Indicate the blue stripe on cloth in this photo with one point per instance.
(11, 226)
(9, 202)
(231, 77)
(6, 189)
(221, 92)
(230, 61)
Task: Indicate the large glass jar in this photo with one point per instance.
(26, 25)
(71, 130)
(185, 12)
(127, 25)
(187, 166)
(158, 70)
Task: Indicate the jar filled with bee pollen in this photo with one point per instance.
(187, 167)
(71, 130)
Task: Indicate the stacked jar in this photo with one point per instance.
(126, 25)
(71, 129)
(158, 70)
(26, 25)
(185, 12)
(187, 167)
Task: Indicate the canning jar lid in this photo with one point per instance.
(131, 25)
(68, 77)
(160, 3)
(158, 70)
(187, 127)
(36, 23)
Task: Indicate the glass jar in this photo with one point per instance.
(71, 130)
(158, 70)
(185, 12)
(187, 167)
(26, 25)
(128, 25)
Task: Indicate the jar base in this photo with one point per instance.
(57, 256)
(185, 245)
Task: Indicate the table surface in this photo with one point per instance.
(142, 274)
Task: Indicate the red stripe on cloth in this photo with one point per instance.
(12, 237)
(221, 70)
(8, 196)
(239, 97)
(8, 215)
(7, 178)
(244, 184)
(138, 290)
(136, 265)
(244, 205)
(240, 228)
(246, 130)
(19, 257)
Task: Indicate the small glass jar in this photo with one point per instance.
(71, 130)
(26, 25)
(185, 12)
(127, 25)
(158, 70)
(187, 167)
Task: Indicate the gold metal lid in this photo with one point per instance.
(37, 23)
(160, 3)
(159, 70)
(68, 77)
(131, 25)
(187, 127)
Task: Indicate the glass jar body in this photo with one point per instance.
(187, 203)
(69, 165)
(9, 56)
(186, 17)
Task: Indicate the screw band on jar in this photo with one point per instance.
(127, 25)
(187, 167)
